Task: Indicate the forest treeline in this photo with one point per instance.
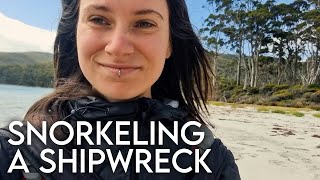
(276, 51)
(39, 74)
(274, 43)
(26, 68)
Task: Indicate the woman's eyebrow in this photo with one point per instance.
(95, 7)
(148, 11)
(103, 8)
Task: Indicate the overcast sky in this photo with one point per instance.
(45, 13)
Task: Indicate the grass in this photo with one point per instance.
(218, 103)
(317, 115)
(238, 105)
(273, 109)
(279, 111)
(282, 111)
(232, 105)
(263, 109)
(298, 114)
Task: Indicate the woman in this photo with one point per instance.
(127, 60)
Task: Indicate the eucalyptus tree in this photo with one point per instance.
(311, 36)
(225, 28)
(286, 40)
(212, 35)
(258, 25)
(244, 24)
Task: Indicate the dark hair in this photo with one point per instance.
(186, 76)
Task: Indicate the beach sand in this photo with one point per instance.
(270, 146)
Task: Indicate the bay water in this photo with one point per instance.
(16, 100)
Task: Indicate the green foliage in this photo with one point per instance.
(26, 58)
(317, 115)
(225, 84)
(280, 87)
(29, 69)
(263, 109)
(279, 111)
(288, 96)
(297, 91)
(298, 114)
(289, 28)
(28, 75)
(266, 60)
(247, 99)
(313, 86)
(315, 97)
(295, 103)
(315, 107)
(307, 95)
(281, 95)
(267, 89)
(281, 92)
(306, 90)
(237, 92)
(252, 90)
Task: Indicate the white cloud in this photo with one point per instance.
(15, 36)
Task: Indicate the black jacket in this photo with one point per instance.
(220, 160)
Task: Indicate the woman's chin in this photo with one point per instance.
(118, 97)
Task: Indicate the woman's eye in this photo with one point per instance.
(144, 24)
(98, 21)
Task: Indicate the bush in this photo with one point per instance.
(295, 103)
(297, 91)
(307, 95)
(236, 93)
(315, 97)
(280, 87)
(306, 90)
(313, 86)
(267, 89)
(246, 99)
(315, 107)
(225, 84)
(252, 90)
(281, 95)
(225, 96)
(297, 87)
(281, 92)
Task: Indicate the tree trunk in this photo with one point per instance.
(239, 68)
(246, 74)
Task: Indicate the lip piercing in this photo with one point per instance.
(119, 72)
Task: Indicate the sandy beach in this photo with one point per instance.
(270, 146)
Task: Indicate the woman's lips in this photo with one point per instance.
(124, 69)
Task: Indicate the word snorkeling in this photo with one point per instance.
(141, 156)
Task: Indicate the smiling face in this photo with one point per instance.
(123, 45)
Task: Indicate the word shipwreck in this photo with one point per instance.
(88, 157)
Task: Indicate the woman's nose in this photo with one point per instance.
(119, 44)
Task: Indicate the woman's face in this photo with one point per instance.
(122, 45)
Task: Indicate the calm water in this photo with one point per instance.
(16, 100)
